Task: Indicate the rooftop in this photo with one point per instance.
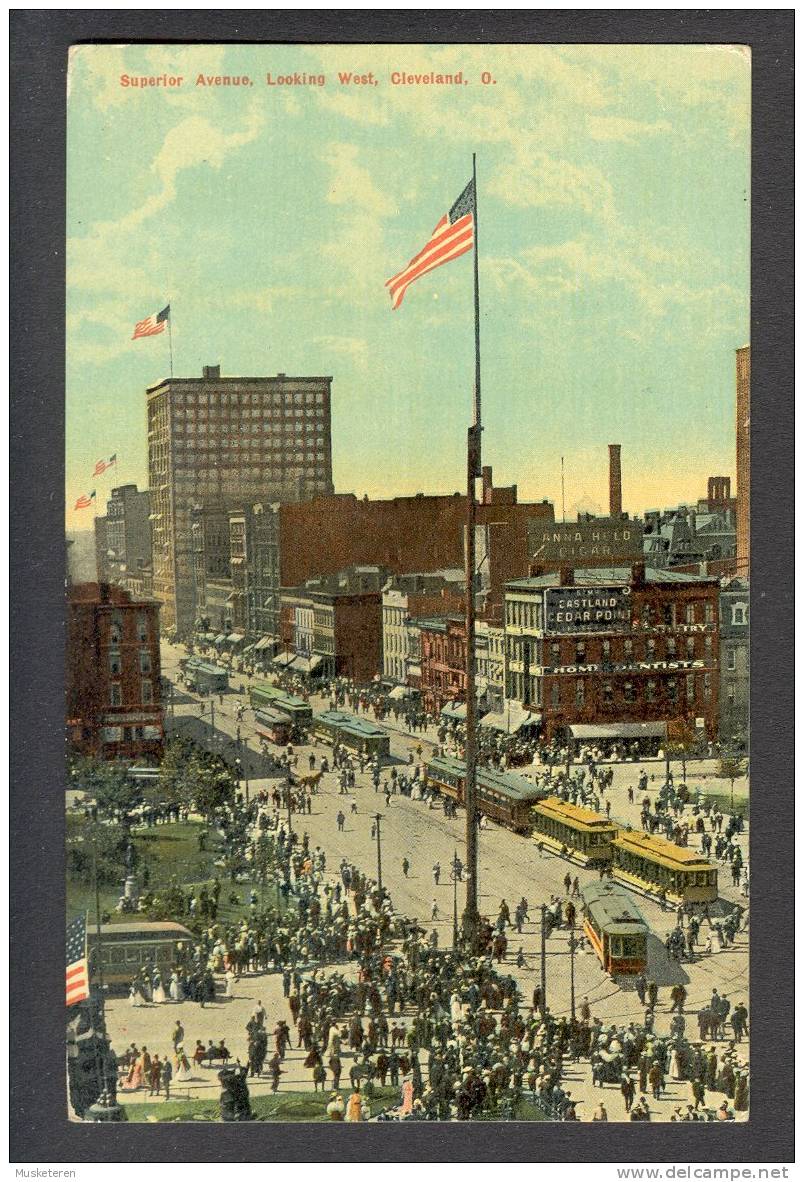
(604, 576)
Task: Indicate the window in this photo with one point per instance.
(670, 615)
(671, 648)
(690, 613)
(629, 693)
(690, 679)
(650, 690)
(738, 614)
(114, 664)
(690, 648)
(707, 687)
(555, 653)
(731, 660)
(608, 694)
(115, 694)
(628, 650)
(606, 650)
(672, 691)
(709, 613)
(580, 652)
(145, 661)
(147, 693)
(650, 654)
(708, 649)
(554, 695)
(580, 693)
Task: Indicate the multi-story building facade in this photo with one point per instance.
(414, 595)
(609, 647)
(443, 661)
(226, 442)
(490, 665)
(347, 633)
(735, 606)
(114, 706)
(123, 536)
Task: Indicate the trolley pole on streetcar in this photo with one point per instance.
(544, 959)
(377, 822)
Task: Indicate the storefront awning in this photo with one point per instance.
(620, 730)
(399, 692)
(234, 638)
(220, 640)
(283, 660)
(514, 718)
(264, 642)
(307, 664)
(457, 711)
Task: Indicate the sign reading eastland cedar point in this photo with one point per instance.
(408, 620)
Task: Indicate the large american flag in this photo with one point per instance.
(77, 967)
(452, 237)
(151, 325)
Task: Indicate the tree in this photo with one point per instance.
(174, 786)
(731, 768)
(90, 839)
(683, 745)
(211, 786)
(113, 791)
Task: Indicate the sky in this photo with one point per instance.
(613, 250)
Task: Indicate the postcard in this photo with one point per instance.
(407, 515)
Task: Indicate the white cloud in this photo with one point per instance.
(616, 129)
(352, 184)
(355, 348)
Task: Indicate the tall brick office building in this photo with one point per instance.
(227, 441)
(114, 703)
(606, 649)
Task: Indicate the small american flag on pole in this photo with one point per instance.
(452, 237)
(152, 325)
(77, 966)
(85, 501)
(102, 465)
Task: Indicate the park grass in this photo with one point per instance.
(282, 1106)
(168, 851)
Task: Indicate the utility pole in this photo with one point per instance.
(377, 822)
(572, 972)
(454, 899)
(544, 959)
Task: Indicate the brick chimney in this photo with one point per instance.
(615, 482)
(566, 575)
(638, 574)
(211, 372)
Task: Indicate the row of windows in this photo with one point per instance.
(582, 652)
(116, 662)
(116, 693)
(116, 629)
(254, 398)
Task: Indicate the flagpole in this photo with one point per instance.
(170, 334)
(471, 915)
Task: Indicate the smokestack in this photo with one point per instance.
(615, 482)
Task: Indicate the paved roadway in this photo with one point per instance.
(509, 868)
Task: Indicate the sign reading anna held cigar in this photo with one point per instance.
(594, 542)
(582, 609)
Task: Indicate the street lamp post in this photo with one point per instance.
(377, 823)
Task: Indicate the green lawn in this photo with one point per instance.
(289, 1106)
(167, 850)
